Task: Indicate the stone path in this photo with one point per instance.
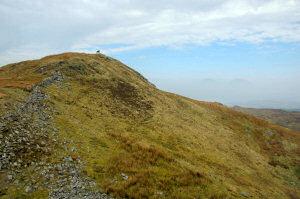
(26, 133)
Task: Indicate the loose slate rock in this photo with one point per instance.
(28, 189)
(28, 121)
(270, 133)
(124, 176)
(244, 194)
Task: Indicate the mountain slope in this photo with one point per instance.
(289, 119)
(96, 126)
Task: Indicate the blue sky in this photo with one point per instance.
(238, 60)
(256, 75)
(237, 52)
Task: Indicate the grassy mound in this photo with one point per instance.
(140, 142)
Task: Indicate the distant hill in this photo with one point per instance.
(295, 109)
(87, 126)
(289, 119)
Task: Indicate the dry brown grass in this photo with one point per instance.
(2, 95)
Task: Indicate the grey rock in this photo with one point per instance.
(244, 194)
(124, 176)
(70, 159)
(59, 167)
(64, 180)
(10, 177)
(28, 189)
(269, 133)
(293, 183)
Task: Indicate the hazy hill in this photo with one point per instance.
(289, 119)
(79, 125)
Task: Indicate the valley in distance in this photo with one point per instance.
(287, 118)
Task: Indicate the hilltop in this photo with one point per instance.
(288, 119)
(85, 125)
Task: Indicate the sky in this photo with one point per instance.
(236, 52)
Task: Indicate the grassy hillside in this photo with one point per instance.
(136, 141)
(289, 119)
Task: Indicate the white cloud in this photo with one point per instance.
(25, 53)
(72, 25)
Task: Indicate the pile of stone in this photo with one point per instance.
(71, 183)
(26, 133)
(25, 130)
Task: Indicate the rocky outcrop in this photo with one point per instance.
(26, 129)
(26, 135)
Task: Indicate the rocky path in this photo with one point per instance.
(27, 136)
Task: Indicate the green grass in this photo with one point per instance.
(297, 171)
